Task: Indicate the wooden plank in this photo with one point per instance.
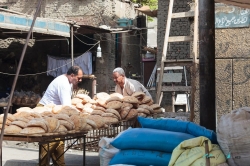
(172, 68)
(183, 14)
(180, 39)
(164, 51)
(174, 89)
(179, 62)
(195, 55)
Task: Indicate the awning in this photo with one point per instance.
(86, 29)
(146, 10)
(13, 25)
(240, 3)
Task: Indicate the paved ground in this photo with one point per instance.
(26, 154)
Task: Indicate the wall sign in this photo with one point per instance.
(231, 16)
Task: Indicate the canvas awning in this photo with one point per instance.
(14, 25)
(240, 3)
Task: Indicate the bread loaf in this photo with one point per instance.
(38, 122)
(53, 124)
(97, 119)
(21, 124)
(76, 100)
(116, 95)
(12, 129)
(114, 105)
(132, 114)
(32, 130)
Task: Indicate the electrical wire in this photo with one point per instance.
(98, 41)
(49, 70)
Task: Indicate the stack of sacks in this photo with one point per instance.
(142, 146)
(154, 142)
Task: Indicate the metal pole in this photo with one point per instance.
(93, 88)
(72, 45)
(16, 76)
(207, 64)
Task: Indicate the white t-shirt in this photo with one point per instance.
(131, 86)
(58, 92)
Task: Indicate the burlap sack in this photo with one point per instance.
(233, 135)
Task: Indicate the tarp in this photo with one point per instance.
(146, 10)
(240, 3)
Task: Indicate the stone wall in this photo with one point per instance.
(232, 69)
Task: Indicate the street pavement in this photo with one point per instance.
(26, 154)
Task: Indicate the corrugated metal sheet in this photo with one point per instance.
(240, 3)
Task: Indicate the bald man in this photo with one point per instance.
(127, 86)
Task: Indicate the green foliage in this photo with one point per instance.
(153, 4)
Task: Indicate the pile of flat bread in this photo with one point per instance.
(112, 108)
(48, 119)
(84, 114)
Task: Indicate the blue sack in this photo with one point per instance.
(150, 139)
(141, 158)
(168, 124)
(198, 130)
(176, 125)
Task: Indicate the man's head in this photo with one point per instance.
(75, 74)
(119, 76)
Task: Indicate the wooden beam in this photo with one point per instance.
(180, 38)
(164, 51)
(183, 14)
(183, 62)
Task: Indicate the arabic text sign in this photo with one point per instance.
(235, 17)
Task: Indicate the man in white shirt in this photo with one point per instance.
(127, 86)
(59, 92)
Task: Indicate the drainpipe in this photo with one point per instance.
(16, 77)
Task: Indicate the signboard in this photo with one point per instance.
(231, 16)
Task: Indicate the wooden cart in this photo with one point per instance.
(46, 138)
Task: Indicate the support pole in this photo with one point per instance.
(207, 64)
(93, 88)
(72, 44)
(16, 76)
